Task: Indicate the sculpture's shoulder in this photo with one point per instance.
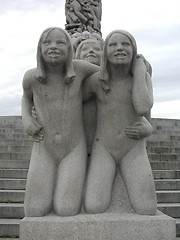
(79, 64)
(84, 67)
(29, 78)
(30, 75)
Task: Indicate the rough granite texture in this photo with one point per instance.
(99, 226)
(118, 223)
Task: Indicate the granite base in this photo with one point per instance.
(105, 226)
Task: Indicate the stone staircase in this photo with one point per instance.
(163, 148)
(15, 147)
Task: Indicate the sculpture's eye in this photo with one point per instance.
(112, 44)
(84, 48)
(46, 41)
(60, 42)
(126, 44)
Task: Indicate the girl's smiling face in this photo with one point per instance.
(54, 47)
(119, 49)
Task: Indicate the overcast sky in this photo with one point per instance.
(155, 25)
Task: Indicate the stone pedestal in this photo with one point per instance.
(118, 223)
(106, 226)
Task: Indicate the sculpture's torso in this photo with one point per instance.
(115, 113)
(59, 111)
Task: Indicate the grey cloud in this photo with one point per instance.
(24, 5)
(10, 105)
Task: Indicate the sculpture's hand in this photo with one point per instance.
(38, 137)
(33, 128)
(138, 130)
(132, 132)
(34, 112)
(140, 59)
(77, 41)
(138, 64)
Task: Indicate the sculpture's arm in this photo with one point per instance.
(142, 94)
(84, 69)
(31, 125)
(89, 87)
(148, 116)
(90, 75)
(139, 130)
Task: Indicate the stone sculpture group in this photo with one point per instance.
(59, 179)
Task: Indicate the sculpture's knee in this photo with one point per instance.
(148, 207)
(68, 208)
(94, 205)
(36, 209)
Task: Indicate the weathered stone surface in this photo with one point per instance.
(83, 16)
(104, 226)
(58, 161)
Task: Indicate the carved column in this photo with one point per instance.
(83, 15)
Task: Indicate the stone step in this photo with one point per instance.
(15, 155)
(9, 227)
(15, 164)
(177, 227)
(159, 128)
(165, 174)
(12, 196)
(24, 142)
(11, 210)
(160, 143)
(11, 130)
(10, 149)
(168, 196)
(167, 184)
(166, 136)
(170, 209)
(163, 157)
(14, 136)
(10, 121)
(165, 165)
(164, 150)
(167, 131)
(165, 122)
(13, 173)
(12, 184)
(12, 238)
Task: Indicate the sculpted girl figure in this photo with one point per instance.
(58, 161)
(91, 50)
(124, 96)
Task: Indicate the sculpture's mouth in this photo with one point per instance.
(91, 56)
(54, 53)
(120, 54)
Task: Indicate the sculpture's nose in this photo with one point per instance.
(91, 51)
(119, 47)
(53, 45)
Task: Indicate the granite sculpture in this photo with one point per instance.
(52, 82)
(89, 50)
(83, 15)
(124, 96)
(58, 160)
(59, 112)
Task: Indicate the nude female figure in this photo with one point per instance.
(91, 51)
(58, 161)
(124, 96)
